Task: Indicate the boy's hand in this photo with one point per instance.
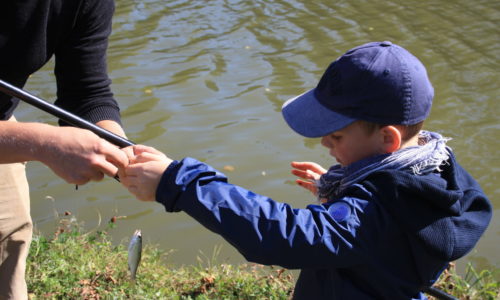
(142, 175)
(310, 172)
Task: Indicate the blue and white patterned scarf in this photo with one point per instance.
(431, 153)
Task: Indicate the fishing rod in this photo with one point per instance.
(62, 114)
(76, 121)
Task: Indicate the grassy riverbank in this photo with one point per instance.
(77, 265)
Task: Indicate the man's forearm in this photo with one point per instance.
(112, 126)
(21, 142)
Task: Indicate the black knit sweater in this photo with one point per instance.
(76, 32)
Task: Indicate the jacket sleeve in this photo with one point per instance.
(263, 230)
(83, 86)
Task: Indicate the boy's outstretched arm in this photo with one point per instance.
(142, 175)
(309, 172)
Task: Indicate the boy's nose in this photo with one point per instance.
(325, 143)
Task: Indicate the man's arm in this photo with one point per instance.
(74, 154)
(83, 85)
(112, 126)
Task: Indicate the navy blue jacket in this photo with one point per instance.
(384, 238)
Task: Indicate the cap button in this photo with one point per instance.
(386, 44)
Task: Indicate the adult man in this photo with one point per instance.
(31, 32)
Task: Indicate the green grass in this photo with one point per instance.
(77, 265)
(472, 285)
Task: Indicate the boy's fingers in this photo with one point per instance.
(298, 165)
(307, 174)
(133, 190)
(317, 168)
(145, 157)
(298, 173)
(303, 164)
(311, 175)
(304, 183)
(307, 185)
(306, 165)
(133, 170)
(138, 149)
(125, 179)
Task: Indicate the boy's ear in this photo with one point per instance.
(391, 139)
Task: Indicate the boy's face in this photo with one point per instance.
(352, 143)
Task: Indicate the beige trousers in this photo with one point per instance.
(15, 230)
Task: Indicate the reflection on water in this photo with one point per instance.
(207, 79)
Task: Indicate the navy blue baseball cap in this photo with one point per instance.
(378, 82)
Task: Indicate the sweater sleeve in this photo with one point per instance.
(83, 85)
(261, 229)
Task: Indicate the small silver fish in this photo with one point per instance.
(134, 253)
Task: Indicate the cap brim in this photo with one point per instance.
(308, 117)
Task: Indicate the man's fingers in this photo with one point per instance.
(121, 174)
(119, 159)
(114, 155)
(107, 168)
(78, 180)
(97, 176)
(129, 151)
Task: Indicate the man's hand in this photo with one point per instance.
(309, 172)
(142, 176)
(78, 155)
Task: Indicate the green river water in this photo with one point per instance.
(207, 79)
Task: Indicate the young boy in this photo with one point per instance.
(395, 210)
